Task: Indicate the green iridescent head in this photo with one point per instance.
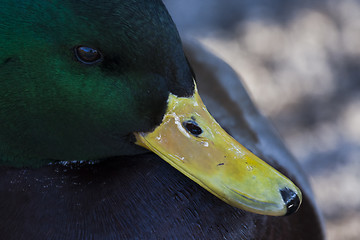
(78, 77)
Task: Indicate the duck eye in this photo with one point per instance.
(88, 55)
(193, 128)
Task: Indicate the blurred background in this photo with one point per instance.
(300, 61)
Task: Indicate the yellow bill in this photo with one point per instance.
(190, 140)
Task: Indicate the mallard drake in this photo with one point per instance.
(87, 88)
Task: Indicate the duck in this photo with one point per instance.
(104, 134)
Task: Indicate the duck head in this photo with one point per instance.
(87, 80)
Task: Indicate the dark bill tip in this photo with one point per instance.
(291, 199)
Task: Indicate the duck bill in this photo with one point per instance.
(190, 140)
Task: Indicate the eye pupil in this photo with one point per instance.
(193, 128)
(87, 55)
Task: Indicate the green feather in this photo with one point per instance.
(53, 107)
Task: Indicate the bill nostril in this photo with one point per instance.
(193, 128)
(291, 199)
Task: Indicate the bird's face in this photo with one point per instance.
(88, 74)
(83, 79)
